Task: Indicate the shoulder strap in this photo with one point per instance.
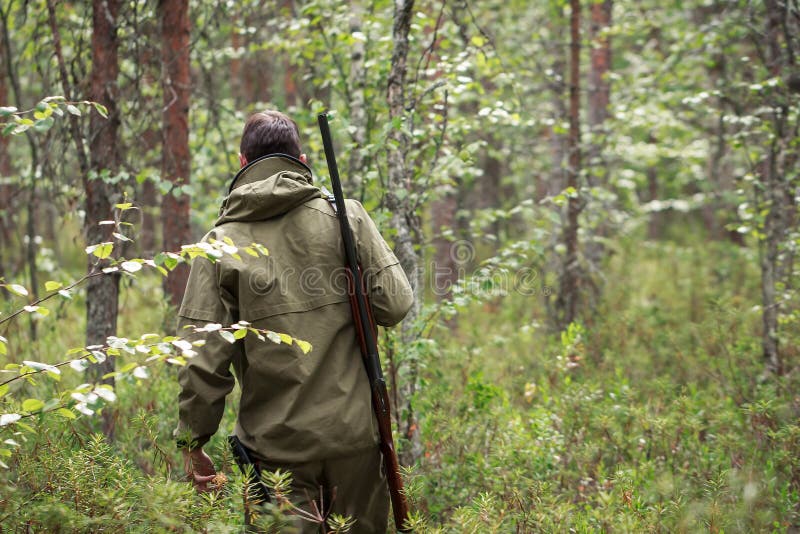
(330, 198)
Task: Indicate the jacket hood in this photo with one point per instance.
(267, 187)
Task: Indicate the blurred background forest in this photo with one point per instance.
(596, 203)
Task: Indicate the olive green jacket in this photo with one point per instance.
(293, 406)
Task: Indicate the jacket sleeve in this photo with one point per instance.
(206, 378)
(388, 289)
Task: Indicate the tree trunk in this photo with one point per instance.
(599, 85)
(401, 221)
(236, 60)
(358, 107)
(599, 94)
(6, 170)
(490, 187)
(30, 248)
(150, 66)
(102, 291)
(569, 289)
(554, 184)
(777, 188)
(175, 163)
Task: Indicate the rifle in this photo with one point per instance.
(366, 332)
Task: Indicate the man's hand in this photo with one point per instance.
(199, 468)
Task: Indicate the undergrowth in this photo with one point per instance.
(652, 416)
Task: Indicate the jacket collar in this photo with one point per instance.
(266, 166)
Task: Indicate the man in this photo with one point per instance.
(306, 413)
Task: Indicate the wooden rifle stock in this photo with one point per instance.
(367, 337)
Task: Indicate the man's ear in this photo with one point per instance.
(303, 158)
(242, 159)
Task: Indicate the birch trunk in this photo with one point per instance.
(397, 203)
(358, 108)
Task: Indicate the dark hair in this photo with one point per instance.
(269, 132)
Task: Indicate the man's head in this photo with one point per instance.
(269, 132)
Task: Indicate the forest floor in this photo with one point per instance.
(654, 415)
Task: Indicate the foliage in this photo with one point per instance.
(652, 412)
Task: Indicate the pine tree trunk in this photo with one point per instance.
(396, 202)
(599, 91)
(599, 85)
(150, 65)
(569, 290)
(175, 163)
(102, 292)
(236, 61)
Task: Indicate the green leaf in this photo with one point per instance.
(239, 334)
(5, 111)
(44, 124)
(170, 262)
(32, 405)
(123, 206)
(50, 285)
(227, 336)
(3, 389)
(39, 310)
(66, 413)
(75, 111)
(101, 109)
(305, 346)
(101, 250)
(285, 338)
(3, 350)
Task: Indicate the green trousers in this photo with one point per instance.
(353, 486)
